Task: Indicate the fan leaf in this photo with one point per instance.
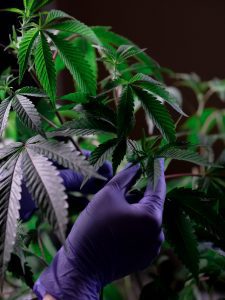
(125, 113)
(158, 113)
(119, 154)
(10, 195)
(5, 107)
(88, 126)
(159, 90)
(182, 154)
(25, 48)
(45, 67)
(47, 190)
(77, 65)
(102, 152)
(64, 155)
(27, 113)
(31, 91)
(57, 20)
(180, 234)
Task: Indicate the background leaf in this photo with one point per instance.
(5, 107)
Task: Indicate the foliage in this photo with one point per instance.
(102, 115)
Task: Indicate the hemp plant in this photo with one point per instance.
(41, 130)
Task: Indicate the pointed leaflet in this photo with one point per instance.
(27, 112)
(25, 48)
(64, 155)
(45, 67)
(159, 90)
(158, 113)
(102, 152)
(125, 111)
(37, 4)
(31, 91)
(182, 154)
(9, 150)
(77, 65)
(119, 153)
(88, 126)
(47, 190)
(4, 114)
(10, 195)
(57, 20)
(180, 234)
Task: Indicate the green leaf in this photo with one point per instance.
(25, 48)
(64, 155)
(37, 4)
(125, 113)
(47, 190)
(197, 206)
(56, 15)
(5, 107)
(127, 51)
(182, 154)
(119, 154)
(159, 90)
(154, 171)
(180, 234)
(45, 67)
(10, 195)
(12, 10)
(88, 126)
(27, 113)
(77, 65)
(158, 113)
(72, 25)
(102, 153)
(108, 37)
(31, 91)
(77, 97)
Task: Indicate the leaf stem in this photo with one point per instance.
(178, 175)
(48, 121)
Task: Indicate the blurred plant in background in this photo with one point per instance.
(39, 127)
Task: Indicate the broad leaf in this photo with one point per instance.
(125, 113)
(180, 234)
(77, 97)
(27, 113)
(102, 153)
(158, 113)
(76, 64)
(5, 107)
(45, 67)
(10, 195)
(64, 155)
(47, 190)
(25, 48)
(56, 15)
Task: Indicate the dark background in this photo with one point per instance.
(186, 36)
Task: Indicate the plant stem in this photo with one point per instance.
(172, 176)
(48, 121)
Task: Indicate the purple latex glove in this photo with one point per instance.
(110, 239)
(72, 182)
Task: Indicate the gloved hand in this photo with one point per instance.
(72, 182)
(110, 239)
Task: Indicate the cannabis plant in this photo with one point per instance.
(42, 131)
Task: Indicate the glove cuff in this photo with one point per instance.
(63, 280)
